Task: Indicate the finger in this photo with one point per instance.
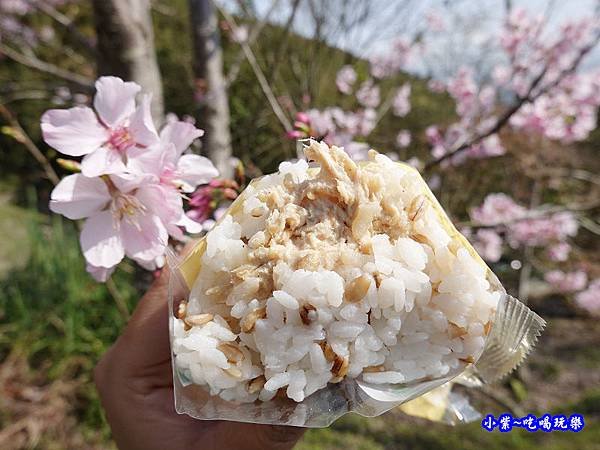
(146, 336)
(145, 340)
(149, 326)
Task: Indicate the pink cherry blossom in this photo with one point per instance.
(345, 79)
(220, 212)
(488, 147)
(403, 139)
(386, 65)
(203, 202)
(107, 134)
(100, 274)
(124, 216)
(401, 104)
(240, 34)
(566, 282)
(565, 102)
(539, 230)
(559, 252)
(368, 94)
(173, 174)
(321, 122)
(334, 125)
(496, 209)
(543, 230)
(295, 134)
(413, 162)
(167, 162)
(366, 121)
(463, 90)
(302, 117)
(358, 151)
(488, 244)
(567, 113)
(501, 74)
(437, 86)
(134, 200)
(590, 298)
(435, 21)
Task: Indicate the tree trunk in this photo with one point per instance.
(211, 93)
(126, 46)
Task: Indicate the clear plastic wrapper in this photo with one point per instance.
(224, 373)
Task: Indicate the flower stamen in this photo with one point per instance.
(121, 140)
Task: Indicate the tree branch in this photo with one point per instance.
(254, 33)
(260, 76)
(33, 62)
(284, 40)
(67, 23)
(22, 137)
(530, 97)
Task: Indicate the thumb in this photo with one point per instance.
(146, 337)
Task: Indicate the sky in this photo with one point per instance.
(472, 22)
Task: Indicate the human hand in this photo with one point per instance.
(135, 383)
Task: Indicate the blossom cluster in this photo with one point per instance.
(587, 296)
(536, 87)
(504, 220)
(521, 227)
(567, 282)
(565, 103)
(337, 127)
(589, 299)
(538, 73)
(133, 178)
(211, 200)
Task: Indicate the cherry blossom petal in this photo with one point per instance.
(151, 266)
(190, 225)
(100, 274)
(162, 201)
(175, 232)
(74, 131)
(127, 182)
(141, 126)
(103, 161)
(181, 134)
(151, 160)
(100, 241)
(115, 100)
(145, 237)
(193, 170)
(77, 196)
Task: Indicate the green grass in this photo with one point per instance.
(354, 432)
(55, 314)
(14, 252)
